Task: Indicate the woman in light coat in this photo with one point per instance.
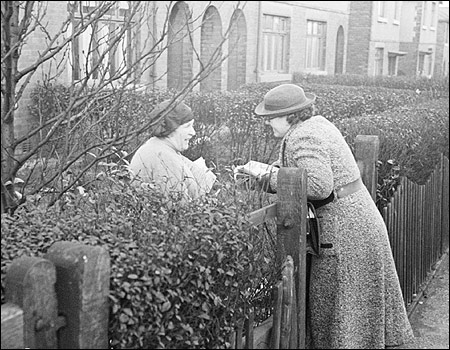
(160, 160)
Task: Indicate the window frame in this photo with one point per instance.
(382, 11)
(119, 55)
(316, 45)
(434, 10)
(274, 59)
(425, 15)
(397, 14)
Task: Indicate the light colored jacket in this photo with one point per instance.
(158, 162)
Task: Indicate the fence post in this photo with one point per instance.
(30, 284)
(12, 327)
(82, 288)
(291, 237)
(366, 154)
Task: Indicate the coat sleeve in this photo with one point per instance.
(309, 152)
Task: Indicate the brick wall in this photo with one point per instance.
(407, 65)
(35, 43)
(359, 37)
(441, 60)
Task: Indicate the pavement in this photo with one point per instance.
(429, 315)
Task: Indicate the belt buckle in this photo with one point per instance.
(336, 192)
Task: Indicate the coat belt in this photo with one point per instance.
(349, 188)
(340, 192)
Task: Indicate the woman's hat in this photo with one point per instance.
(284, 99)
(173, 118)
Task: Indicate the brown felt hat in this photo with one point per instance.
(284, 99)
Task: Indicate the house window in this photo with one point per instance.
(316, 45)
(425, 14)
(433, 14)
(382, 9)
(379, 53)
(275, 44)
(104, 49)
(397, 12)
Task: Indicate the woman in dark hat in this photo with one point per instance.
(160, 160)
(355, 300)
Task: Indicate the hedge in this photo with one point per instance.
(181, 275)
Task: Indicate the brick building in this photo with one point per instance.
(441, 65)
(267, 41)
(392, 37)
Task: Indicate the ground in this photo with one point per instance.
(430, 317)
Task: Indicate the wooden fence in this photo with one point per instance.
(61, 300)
(418, 226)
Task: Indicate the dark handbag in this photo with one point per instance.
(312, 231)
(313, 244)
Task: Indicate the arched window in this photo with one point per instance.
(179, 57)
(211, 51)
(237, 47)
(339, 58)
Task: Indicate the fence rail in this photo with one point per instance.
(61, 300)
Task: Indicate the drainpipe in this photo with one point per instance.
(258, 40)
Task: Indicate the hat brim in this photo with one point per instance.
(262, 111)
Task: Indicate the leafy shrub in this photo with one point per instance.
(100, 116)
(412, 140)
(434, 87)
(181, 275)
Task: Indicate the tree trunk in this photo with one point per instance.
(10, 44)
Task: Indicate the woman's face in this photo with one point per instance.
(280, 125)
(180, 136)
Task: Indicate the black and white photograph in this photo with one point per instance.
(225, 174)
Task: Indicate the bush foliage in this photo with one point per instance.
(181, 275)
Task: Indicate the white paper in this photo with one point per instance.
(204, 176)
(253, 168)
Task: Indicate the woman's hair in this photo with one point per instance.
(301, 115)
(177, 116)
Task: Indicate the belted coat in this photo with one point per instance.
(355, 299)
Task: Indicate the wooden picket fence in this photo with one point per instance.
(61, 300)
(417, 217)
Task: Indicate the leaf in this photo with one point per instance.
(166, 306)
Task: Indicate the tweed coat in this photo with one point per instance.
(355, 300)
